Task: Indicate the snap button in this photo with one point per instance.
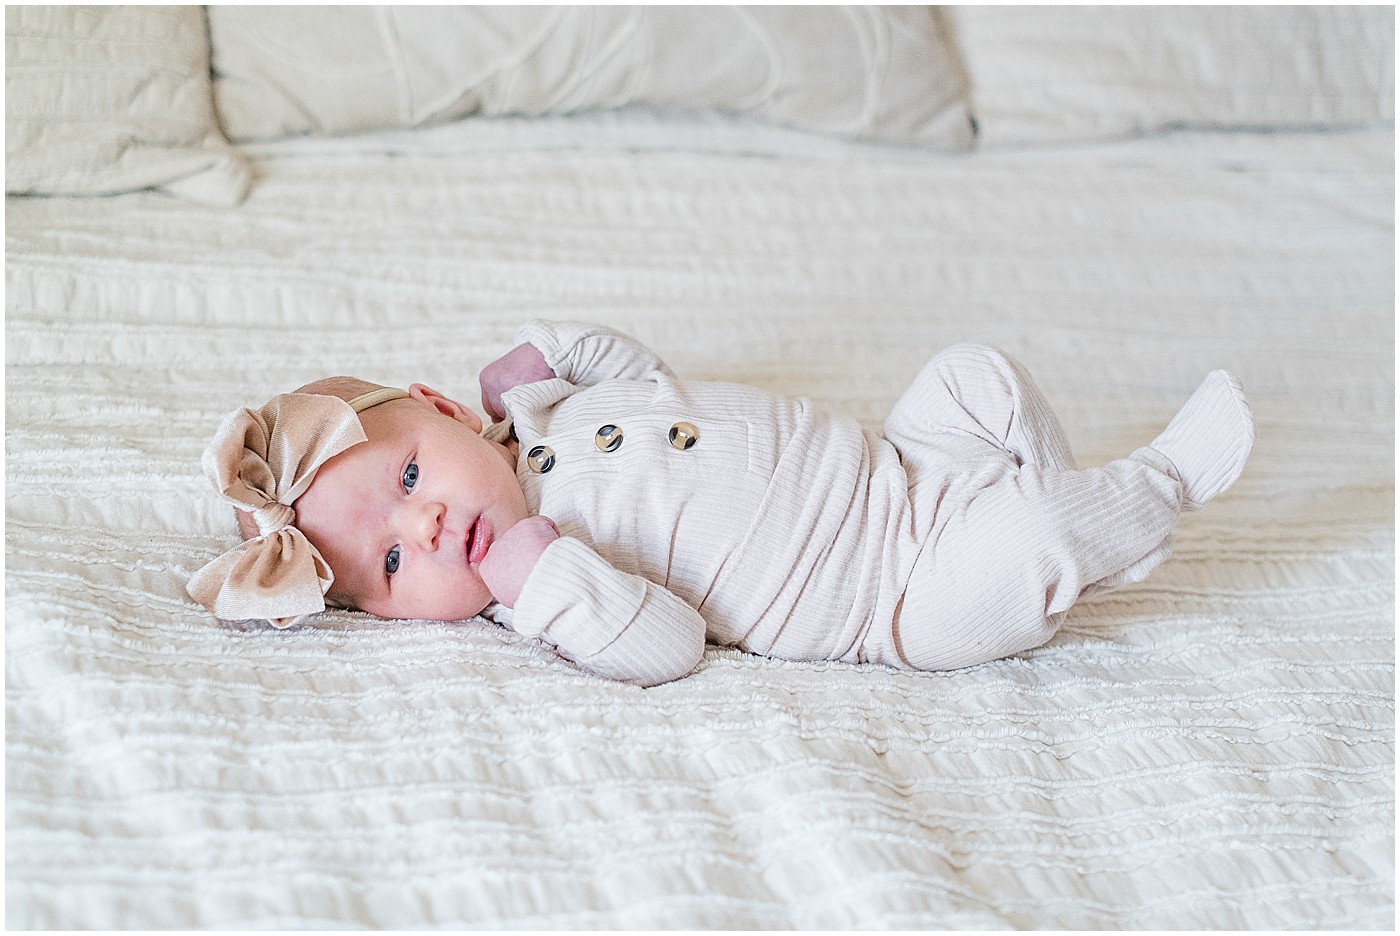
(683, 435)
(540, 459)
(608, 439)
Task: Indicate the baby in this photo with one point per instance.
(624, 516)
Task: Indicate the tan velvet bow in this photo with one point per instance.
(261, 461)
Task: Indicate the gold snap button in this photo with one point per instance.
(540, 459)
(608, 439)
(683, 435)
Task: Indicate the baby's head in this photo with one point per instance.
(376, 499)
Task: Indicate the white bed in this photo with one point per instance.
(1212, 748)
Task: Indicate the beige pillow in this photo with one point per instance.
(883, 73)
(1042, 74)
(110, 99)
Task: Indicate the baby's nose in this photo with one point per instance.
(427, 524)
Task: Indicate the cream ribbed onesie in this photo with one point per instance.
(691, 510)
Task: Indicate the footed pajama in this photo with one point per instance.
(692, 510)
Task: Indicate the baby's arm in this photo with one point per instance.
(580, 353)
(620, 626)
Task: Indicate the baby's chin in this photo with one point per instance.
(465, 612)
(453, 611)
(469, 608)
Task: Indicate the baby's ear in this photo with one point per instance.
(445, 405)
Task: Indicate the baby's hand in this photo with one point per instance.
(521, 365)
(511, 558)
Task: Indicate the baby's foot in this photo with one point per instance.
(1208, 441)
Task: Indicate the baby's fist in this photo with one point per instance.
(512, 557)
(521, 365)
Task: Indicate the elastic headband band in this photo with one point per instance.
(383, 395)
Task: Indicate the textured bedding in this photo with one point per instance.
(1212, 748)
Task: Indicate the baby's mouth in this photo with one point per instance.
(479, 539)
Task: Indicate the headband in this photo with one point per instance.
(261, 461)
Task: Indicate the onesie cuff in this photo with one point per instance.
(575, 600)
(587, 354)
(544, 335)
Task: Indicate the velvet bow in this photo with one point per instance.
(261, 461)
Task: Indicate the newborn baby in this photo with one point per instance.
(624, 516)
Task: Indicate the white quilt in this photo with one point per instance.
(1212, 748)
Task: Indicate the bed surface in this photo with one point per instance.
(1212, 748)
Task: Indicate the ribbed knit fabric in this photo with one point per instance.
(960, 536)
(1208, 441)
(616, 625)
(775, 508)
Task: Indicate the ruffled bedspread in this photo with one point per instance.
(1212, 748)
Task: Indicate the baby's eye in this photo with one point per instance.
(391, 561)
(410, 476)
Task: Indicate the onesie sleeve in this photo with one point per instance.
(617, 625)
(585, 354)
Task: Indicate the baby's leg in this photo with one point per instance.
(978, 392)
(1002, 570)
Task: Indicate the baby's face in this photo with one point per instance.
(405, 518)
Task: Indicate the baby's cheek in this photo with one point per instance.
(450, 597)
